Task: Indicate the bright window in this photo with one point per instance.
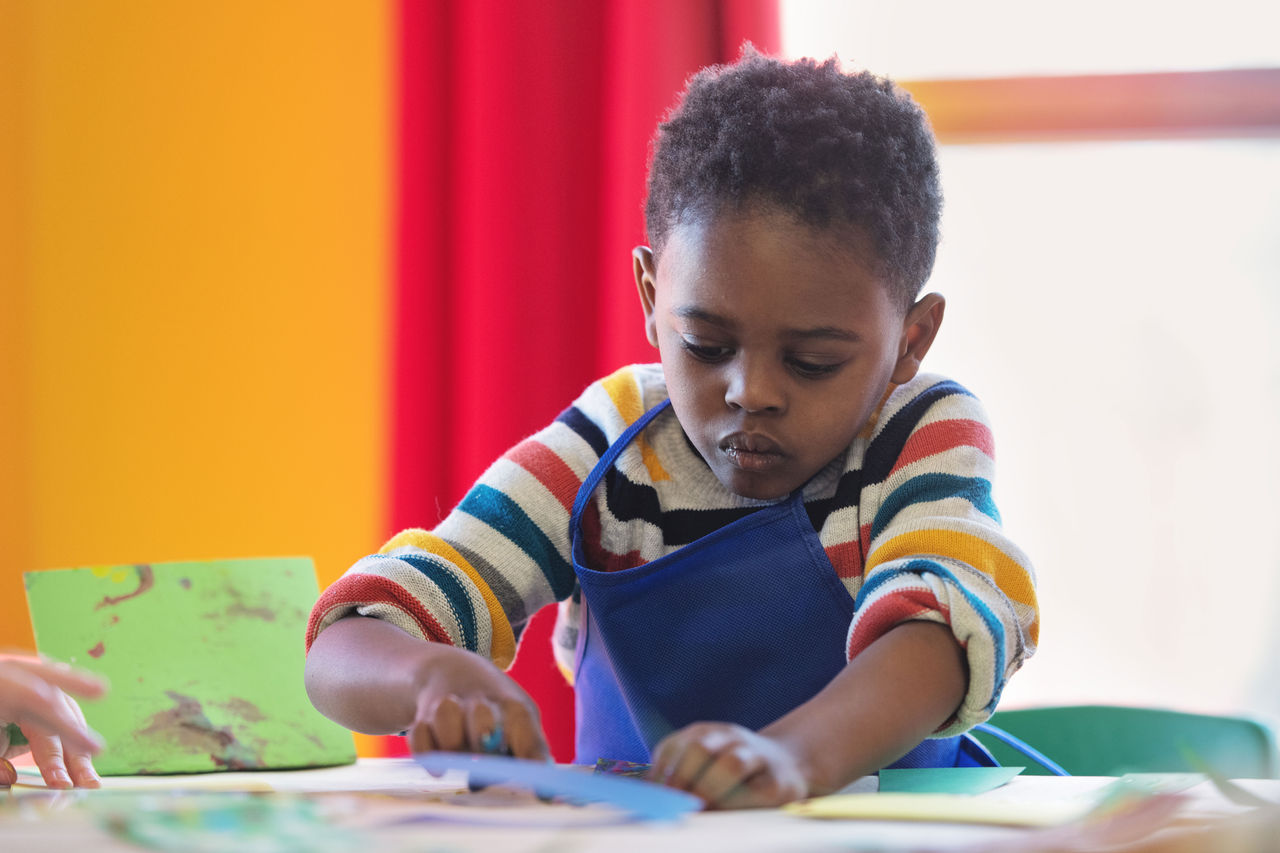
(1114, 305)
(914, 39)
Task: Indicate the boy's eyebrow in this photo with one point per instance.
(692, 312)
(829, 332)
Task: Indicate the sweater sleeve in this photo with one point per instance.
(937, 550)
(503, 552)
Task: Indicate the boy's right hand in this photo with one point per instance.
(466, 704)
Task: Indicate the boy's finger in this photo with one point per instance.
(419, 737)
(448, 725)
(524, 733)
(727, 773)
(484, 728)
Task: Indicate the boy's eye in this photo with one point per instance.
(709, 353)
(813, 370)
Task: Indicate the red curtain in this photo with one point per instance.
(523, 138)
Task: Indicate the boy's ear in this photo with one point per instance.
(646, 272)
(919, 328)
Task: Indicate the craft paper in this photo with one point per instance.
(205, 661)
(946, 780)
(945, 808)
(644, 800)
(210, 823)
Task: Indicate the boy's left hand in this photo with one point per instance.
(729, 767)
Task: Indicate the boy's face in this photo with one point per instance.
(777, 344)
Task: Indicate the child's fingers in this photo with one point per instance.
(523, 731)
(44, 711)
(80, 767)
(419, 737)
(684, 756)
(440, 724)
(8, 773)
(63, 751)
(46, 749)
(448, 725)
(483, 727)
(726, 774)
(61, 675)
(768, 786)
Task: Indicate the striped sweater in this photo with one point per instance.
(905, 516)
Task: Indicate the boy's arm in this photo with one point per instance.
(900, 690)
(441, 696)
(499, 556)
(447, 605)
(886, 701)
(935, 548)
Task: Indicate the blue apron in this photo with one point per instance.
(740, 626)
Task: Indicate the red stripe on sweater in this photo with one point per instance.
(846, 557)
(550, 470)
(864, 537)
(598, 557)
(941, 436)
(889, 612)
(371, 589)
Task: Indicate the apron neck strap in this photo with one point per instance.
(610, 456)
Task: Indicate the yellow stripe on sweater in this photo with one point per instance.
(503, 650)
(566, 671)
(1008, 573)
(623, 390)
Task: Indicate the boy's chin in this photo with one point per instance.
(755, 488)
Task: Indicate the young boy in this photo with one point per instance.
(776, 555)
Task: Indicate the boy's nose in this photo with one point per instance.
(754, 387)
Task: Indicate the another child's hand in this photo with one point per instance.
(34, 696)
(729, 767)
(467, 704)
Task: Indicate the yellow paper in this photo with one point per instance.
(939, 808)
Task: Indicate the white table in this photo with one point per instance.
(392, 805)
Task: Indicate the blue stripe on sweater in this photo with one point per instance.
(453, 590)
(576, 420)
(505, 515)
(935, 487)
(920, 567)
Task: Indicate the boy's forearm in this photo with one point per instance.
(900, 690)
(364, 673)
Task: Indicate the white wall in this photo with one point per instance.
(1115, 306)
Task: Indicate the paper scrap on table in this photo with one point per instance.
(940, 808)
(946, 780)
(213, 823)
(643, 800)
(204, 659)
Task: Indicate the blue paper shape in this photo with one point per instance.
(642, 800)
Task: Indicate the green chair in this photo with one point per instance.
(1110, 740)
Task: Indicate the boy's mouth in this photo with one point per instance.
(751, 451)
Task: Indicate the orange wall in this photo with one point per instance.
(194, 262)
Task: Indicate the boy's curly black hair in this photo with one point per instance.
(833, 149)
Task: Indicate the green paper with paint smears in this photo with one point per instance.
(205, 661)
